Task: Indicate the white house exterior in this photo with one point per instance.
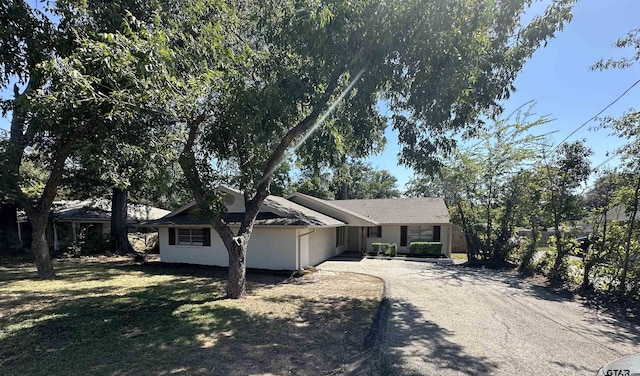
(298, 231)
(399, 221)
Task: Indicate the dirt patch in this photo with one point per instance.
(315, 324)
(110, 316)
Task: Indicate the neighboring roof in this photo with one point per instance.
(399, 210)
(99, 209)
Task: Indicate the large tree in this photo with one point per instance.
(76, 89)
(438, 64)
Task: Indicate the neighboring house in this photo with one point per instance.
(298, 231)
(71, 218)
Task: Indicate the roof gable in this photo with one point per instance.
(274, 210)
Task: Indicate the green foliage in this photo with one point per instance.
(366, 182)
(87, 243)
(567, 171)
(387, 249)
(484, 186)
(392, 250)
(361, 179)
(426, 248)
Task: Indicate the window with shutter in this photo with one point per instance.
(172, 236)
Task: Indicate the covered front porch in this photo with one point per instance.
(361, 238)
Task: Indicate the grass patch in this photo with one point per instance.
(113, 317)
(459, 257)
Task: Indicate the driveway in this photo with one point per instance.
(449, 320)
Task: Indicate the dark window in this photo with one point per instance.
(374, 232)
(403, 236)
(172, 236)
(206, 237)
(436, 233)
(340, 236)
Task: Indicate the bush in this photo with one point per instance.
(426, 248)
(87, 244)
(392, 250)
(387, 249)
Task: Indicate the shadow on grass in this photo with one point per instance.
(178, 326)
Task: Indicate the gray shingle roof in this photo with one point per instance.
(275, 211)
(399, 210)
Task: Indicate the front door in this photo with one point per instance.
(353, 239)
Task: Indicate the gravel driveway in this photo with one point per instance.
(449, 320)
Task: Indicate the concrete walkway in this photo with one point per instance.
(449, 320)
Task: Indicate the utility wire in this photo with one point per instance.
(615, 154)
(596, 115)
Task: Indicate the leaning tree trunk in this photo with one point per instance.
(119, 240)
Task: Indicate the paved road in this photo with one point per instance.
(449, 320)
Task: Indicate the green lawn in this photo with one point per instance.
(115, 318)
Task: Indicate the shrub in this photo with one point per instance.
(392, 249)
(387, 249)
(426, 248)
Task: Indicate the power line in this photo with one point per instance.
(615, 154)
(596, 115)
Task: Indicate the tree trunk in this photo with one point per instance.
(237, 269)
(593, 257)
(525, 266)
(39, 245)
(9, 240)
(343, 192)
(466, 230)
(119, 239)
(555, 275)
(627, 245)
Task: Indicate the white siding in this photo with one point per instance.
(269, 248)
(272, 248)
(322, 245)
(391, 234)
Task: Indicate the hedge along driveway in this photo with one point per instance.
(118, 318)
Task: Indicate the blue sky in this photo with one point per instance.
(561, 82)
(559, 79)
